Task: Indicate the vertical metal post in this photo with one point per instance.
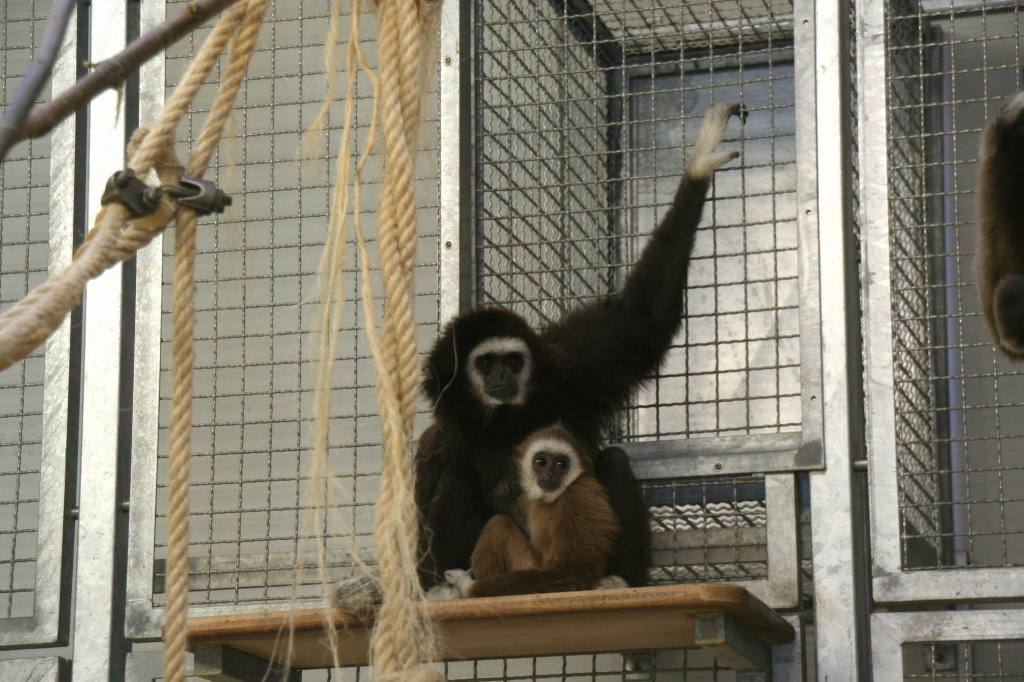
(53, 584)
(141, 620)
(451, 107)
(101, 371)
(838, 606)
(881, 432)
(783, 588)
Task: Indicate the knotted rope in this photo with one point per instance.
(248, 18)
(402, 640)
(30, 321)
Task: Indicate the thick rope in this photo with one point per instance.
(401, 641)
(182, 352)
(31, 321)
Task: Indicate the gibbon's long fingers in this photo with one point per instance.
(712, 131)
(1009, 314)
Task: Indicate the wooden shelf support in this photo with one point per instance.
(222, 663)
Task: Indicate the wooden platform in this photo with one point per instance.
(621, 620)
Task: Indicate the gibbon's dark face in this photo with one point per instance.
(499, 371)
(484, 358)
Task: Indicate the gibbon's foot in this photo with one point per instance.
(712, 131)
(1009, 313)
(358, 594)
(459, 580)
(611, 582)
(441, 591)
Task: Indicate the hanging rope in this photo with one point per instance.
(29, 322)
(401, 640)
(182, 353)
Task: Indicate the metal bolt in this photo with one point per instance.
(448, 244)
(447, 61)
(718, 466)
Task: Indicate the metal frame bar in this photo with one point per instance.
(452, 253)
(781, 589)
(890, 583)
(788, 659)
(840, 607)
(142, 620)
(46, 626)
(50, 669)
(93, 636)
(890, 631)
(729, 643)
(874, 182)
(948, 585)
(732, 455)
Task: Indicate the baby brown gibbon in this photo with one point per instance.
(570, 528)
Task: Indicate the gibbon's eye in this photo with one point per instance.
(515, 362)
(484, 362)
(540, 461)
(562, 463)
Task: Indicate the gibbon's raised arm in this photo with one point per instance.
(1000, 255)
(492, 381)
(624, 337)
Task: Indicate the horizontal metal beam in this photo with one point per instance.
(50, 669)
(777, 452)
(890, 631)
(958, 585)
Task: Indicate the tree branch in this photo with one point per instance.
(111, 72)
(36, 75)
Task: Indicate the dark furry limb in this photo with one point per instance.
(585, 366)
(999, 265)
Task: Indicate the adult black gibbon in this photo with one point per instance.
(493, 381)
(570, 527)
(999, 265)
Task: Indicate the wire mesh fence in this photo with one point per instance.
(257, 302)
(24, 258)
(964, 661)
(959, 406)
(583, 117)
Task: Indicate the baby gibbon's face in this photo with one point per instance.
(546, 466)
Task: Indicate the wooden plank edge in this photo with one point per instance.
(762, 622)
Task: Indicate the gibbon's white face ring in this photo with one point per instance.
(501, 345)
(529, 482)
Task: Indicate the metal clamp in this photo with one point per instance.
(201, 196)
(139, 198)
